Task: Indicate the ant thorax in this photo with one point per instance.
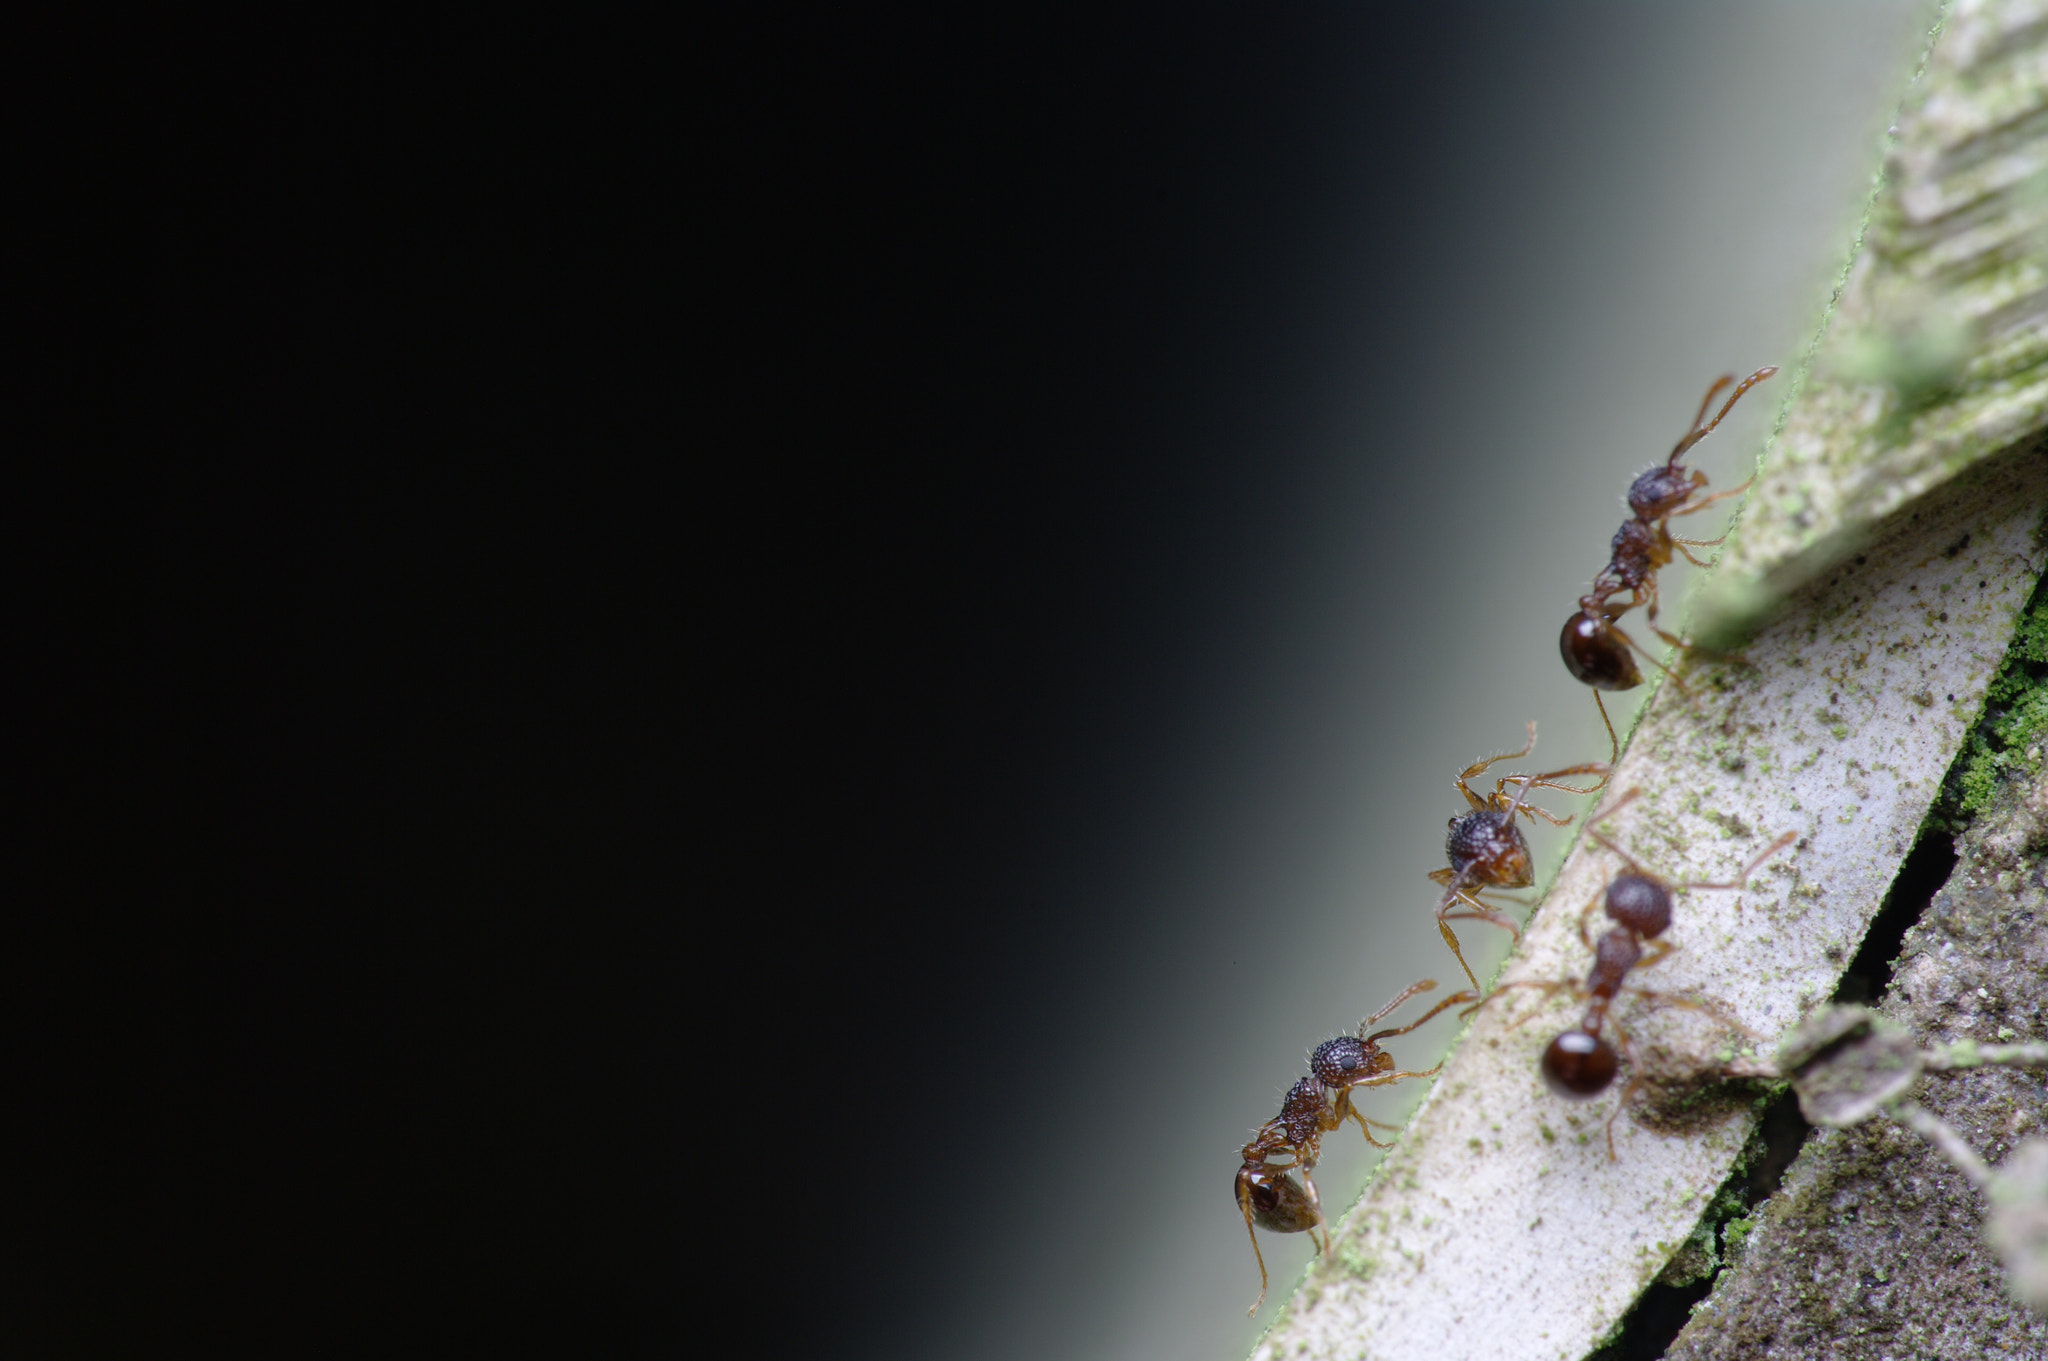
(1617, 952)
(1301, 1113)
(1636, 552)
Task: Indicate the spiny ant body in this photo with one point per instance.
(1486, 849)
(1595, 649)
(1581, 1062)
(1267, 1193)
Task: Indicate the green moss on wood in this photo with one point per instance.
(2010, 738)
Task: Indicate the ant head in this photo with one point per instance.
(1301, 1112)
(1661, 490)
(1640, 903)
(1578, 1065)
(1347, 1061)
(1486, 847)
(1595, 653)
(1277, 1202)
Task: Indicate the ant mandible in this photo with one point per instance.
(1595, 650)
(1487, 850)
(1580, 1063)
(1267, 1194)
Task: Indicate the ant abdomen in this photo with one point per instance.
(1596, 654)
(1278, 1202)
(1578, 1065)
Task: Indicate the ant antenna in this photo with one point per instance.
(1426, 985)
(1456, 999)
(1719, 383)
(1700, 432)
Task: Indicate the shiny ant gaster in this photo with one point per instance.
(1579, 1063)
(1487, 851)
(1595, 650)
(1267, 1194)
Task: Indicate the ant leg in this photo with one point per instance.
(1456, 999)
(1315, 1202)
(1673, 639)
(1451, 939)
(1586, 917)
(1683, 544)
(1658, 950)
(1694, 507)
(1650, 615)
(1706, 1007)
(1549, 780)
(1612, 741)
(1601, 837)
(1633, 793)
(1742, 879)
(1470, 916)
(1347, 1111)
(1550, 990)
(1635, 1080)
(1646, 595)
(1479, 911)
(1386, 1078)
(1485, 897)
(1244, 1203)
(1669, 674)
(1476, 907)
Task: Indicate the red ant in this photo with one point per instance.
(1595, 651)
(1579, 1063)
(1487, 851)
(1268, 1196)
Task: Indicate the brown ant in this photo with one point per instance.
(1595, 651)
(1487, 851)
(1580, 1063)
(1267, 1194)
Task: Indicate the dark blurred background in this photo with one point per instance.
(771, 672)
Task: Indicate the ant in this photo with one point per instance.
(1595, 651)
(1487, 851)
(1579, 1063)
(1267, 1194)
